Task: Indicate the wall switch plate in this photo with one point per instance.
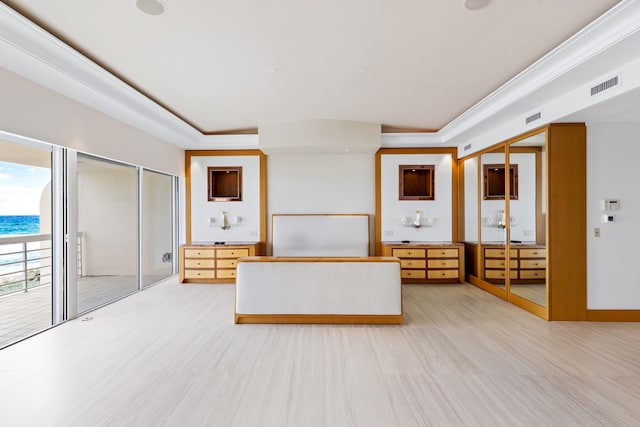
(596, 232)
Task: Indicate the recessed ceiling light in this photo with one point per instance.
(273, 70)
(150, 7)
(475, 4)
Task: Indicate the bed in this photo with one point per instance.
(320, 272)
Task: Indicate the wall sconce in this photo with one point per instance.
(225, 222)
(417, 221)
(500, 220)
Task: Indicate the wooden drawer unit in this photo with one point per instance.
(527, 263)
(199, 263)
(408, 253)
(413, 263)
(428, 263)
(212, 263)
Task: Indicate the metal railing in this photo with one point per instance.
(25, 262)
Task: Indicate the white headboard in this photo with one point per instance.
(320, 235)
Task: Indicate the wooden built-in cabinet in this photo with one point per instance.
(529, 247)
(428, 263)
(209, 263)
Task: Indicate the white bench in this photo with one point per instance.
(318, 290)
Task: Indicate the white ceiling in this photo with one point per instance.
(223, 66)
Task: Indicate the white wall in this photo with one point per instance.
(340, 183)
(248, 210)
(523, 210)
(393, 209)
(612, 259)
(31, 110)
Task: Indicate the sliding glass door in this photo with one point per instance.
(25, 240)
(157, 226)
(107, 231)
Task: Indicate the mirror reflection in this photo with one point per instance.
(493, 225)
(470, 237)
(528, 234)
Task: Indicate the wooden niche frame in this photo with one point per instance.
(417, 182)
(224, 183)
(494, 181)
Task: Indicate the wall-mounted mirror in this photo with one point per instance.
(528, 234)
(493, 228)
(471, 233)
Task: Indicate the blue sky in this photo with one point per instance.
(21, 188)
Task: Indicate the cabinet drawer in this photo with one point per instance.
(499, 274)
(199, 263)
(409, 253)
(499, 263)
(442, 253)
(532, 274)
(412, 274)
(533, 263)
(533, 253)
(443, 263)
(226, 274)
(199, 253)
(413, 263)
(227, 263)
(442, 274)
(500, 253)
(232, 253)
(199, 274)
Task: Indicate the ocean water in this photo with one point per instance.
(13, 225)
(11, 256)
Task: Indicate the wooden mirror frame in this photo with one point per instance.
(416, 182)
(493, 176)
(224, 184)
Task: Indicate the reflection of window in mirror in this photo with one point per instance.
(225, 184)
(417, 182)
(494, 182)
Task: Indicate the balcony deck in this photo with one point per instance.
(24, 313)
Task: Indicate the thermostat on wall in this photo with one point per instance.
(610, 205)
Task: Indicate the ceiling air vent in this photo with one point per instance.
(533, 117)
(604, 86)
(467, 147)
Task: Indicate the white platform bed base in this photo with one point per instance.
(318, 290)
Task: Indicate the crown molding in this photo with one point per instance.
(33, 53)
(411, 140)
(28, 50)
(617, 24)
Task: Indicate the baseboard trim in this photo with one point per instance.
(613, 315)
(381, 319)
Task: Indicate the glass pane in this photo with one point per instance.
(157, 227)
(25, 241)
(493, 226)
(528, 236)
(107, 231)
(470, 182)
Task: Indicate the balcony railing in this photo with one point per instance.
(25, 262)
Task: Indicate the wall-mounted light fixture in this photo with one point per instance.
(225, 222)
(417, 221)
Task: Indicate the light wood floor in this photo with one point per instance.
(172, 356)
(25, 313)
